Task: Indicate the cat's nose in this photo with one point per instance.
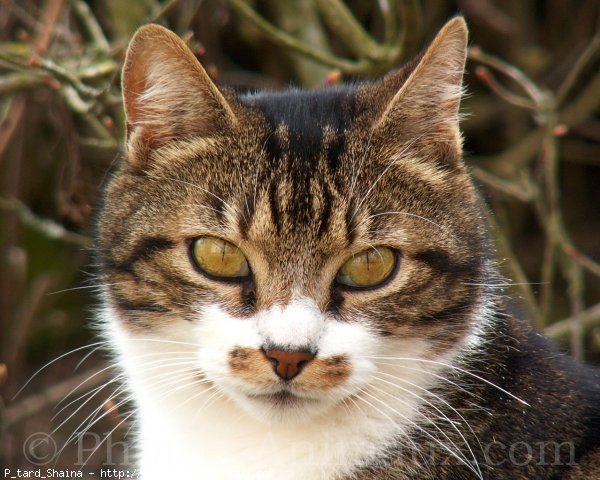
(287, 364)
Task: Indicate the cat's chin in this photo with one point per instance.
(282, 407)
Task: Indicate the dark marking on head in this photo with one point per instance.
(440, 261)
(448, 315)
(326, 211)
(273, 147)
(351, 225)
(334, 148)
(131, 306)
(307, 113)
(217, 204)
(249, 295)
(246, 216)
(274, 206)
(336, 299)
(143, 249)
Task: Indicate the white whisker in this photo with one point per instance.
(453, 367)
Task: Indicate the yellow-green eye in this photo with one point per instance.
(219, 258)
(368, 268)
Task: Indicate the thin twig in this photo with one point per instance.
(390, 20)
(549, 213)
(412, 27)
(581, 258)
(486, 77)
(522, 192)
(19, 81)
(52, 11)
(281, 38)
(582, 61)
(589, 318)
(92, 26)
(585, 104)
(68, 77)
(49, 228)
(340, 20)
(164, 10)
(533, 91)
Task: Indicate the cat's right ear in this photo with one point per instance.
(166, 92)
(422, 100)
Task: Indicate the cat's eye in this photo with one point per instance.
(367, 269)
(219, 258)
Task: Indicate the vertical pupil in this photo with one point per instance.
(223, 251)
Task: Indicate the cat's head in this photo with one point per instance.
(305, 249)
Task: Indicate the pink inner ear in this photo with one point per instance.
(134, 83)
(166, 92)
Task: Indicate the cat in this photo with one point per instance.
(300, 285)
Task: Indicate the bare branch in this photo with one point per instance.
(48, 227)
(340, 20)
(587, 319)
(91, 25)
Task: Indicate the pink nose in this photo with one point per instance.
(287, 365)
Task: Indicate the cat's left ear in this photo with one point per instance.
(426, 95)
(166, 92)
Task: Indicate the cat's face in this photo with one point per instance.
(288, 244)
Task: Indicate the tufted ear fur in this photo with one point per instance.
(427, 92)
(166, 92)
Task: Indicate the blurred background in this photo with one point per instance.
(532, 139)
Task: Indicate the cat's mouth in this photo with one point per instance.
(282, 399)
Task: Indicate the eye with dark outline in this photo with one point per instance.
(219, 259)
(367, 269)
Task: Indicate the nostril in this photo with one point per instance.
(273, 361)
(288, 364)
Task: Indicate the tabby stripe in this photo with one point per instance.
(326, 211)
(130, 306)
(218, 205)
(176, 280)
(440, 261)
(273, 203)
(451, 313)
(245, 218)
(335, 147)
(144, 249)
(350, 223)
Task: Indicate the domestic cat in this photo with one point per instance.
(299, 285)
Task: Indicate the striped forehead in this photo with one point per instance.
(304, 138)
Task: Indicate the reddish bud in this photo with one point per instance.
(560, 130)
(213, 72)
(333, 77)
(23, 35)
(108, 122)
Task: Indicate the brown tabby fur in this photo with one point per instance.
(301, 181)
